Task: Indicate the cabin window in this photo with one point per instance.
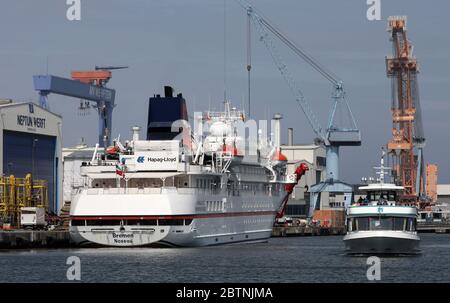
(380, 223)
(411, 224)
(382, 196)
(437, 216)
(354, 227)
(399, 224)
(362, 223)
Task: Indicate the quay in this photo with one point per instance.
(305, 231)
(23, 239)
(438, 228)
(16, 239)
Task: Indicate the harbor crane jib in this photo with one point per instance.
(336, 134)
(85, 85)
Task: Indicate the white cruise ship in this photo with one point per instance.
(379, 224)
(190, 190)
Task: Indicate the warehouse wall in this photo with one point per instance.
(29, 132)
(25, 153)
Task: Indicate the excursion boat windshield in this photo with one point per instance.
(382, 223)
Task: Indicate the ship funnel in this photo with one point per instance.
(277, 130)
(290, 136)
(168, 91)
(136, 130)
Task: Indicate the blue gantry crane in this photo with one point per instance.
(85, 85)
(337, 133)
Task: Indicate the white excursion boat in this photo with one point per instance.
(378, 224)
(187, 190)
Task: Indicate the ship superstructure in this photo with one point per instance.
(194, 189)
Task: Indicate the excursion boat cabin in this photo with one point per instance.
(379, 210)
(377, 224)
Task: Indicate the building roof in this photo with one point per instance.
(443, 189)
(10, 103)
(380, 186)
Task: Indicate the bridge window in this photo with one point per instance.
(362, 223)
(380, 223)
(411, 224)
(399, 224)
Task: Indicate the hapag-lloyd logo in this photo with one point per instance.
(162, 159)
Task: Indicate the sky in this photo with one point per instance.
(199, 48)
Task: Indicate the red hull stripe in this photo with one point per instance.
(196, 216)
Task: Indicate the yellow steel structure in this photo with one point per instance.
(16, 193)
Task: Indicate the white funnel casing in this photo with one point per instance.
(136, 130)
(277, 130)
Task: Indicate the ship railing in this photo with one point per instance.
(100, 163)
(151, 191)
(223, 115)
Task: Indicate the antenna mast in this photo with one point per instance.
(249, 55)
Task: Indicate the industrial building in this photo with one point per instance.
(315, 157)
(443, 194)
(31, 144)
(73, 157)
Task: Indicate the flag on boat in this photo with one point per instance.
(120, 170)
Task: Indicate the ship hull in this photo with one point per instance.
(201, 220)
(382, 242)
(127, 238)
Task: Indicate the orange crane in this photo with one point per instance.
(99, 77)
(408, 141)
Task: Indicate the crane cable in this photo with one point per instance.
(333, 78)
(249, 58)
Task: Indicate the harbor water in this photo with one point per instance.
(293, 259)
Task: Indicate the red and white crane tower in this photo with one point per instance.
(408, 140)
